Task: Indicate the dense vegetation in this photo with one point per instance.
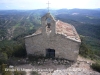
(15, 25)
(96, 66)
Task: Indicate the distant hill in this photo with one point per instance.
(18, 22)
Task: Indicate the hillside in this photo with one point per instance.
(16, 24)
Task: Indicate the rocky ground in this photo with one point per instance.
(81, 67)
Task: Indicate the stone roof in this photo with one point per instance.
(67, 30)
(64, 29)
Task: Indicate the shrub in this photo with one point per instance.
(96, 67)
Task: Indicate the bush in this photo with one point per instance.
(96, 67)
(19, 51)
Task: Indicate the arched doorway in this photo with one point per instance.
(50, 53)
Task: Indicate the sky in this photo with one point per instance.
(42, 4)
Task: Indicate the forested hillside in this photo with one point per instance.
(14, 23)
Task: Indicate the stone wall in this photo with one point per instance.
(64, 47)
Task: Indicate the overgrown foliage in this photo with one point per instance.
(85, 51)
(12, 50)
(96, 66)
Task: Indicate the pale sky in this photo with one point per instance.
(55, 4)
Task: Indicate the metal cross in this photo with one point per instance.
(48, 6)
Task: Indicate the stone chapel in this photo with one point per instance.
(54, 39)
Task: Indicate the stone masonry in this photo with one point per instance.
(57, 35)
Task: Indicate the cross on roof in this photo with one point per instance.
(48, 6)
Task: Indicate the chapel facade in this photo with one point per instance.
(55, 39)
